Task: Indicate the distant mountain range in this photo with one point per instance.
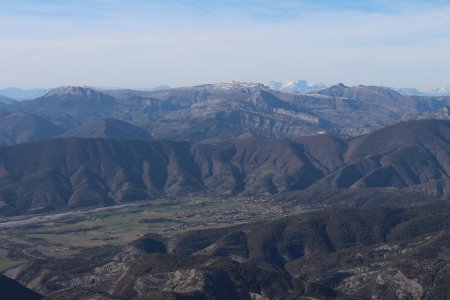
(214, 112)
(218, 139)
(14, 93)
(22, 94)
(72, 172)
(302, 87)
(297, 86)
(444, 91)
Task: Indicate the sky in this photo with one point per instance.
(143, 44)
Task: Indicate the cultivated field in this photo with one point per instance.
(65, 233)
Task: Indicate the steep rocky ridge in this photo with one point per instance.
(215, 112)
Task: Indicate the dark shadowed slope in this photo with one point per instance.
(109, 128)
(432, 134)
(414, 154)
(24, 127)
(12, 290)
(22, 94)
(73, 172)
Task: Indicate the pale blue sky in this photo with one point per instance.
(148, 43)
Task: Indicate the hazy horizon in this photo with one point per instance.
(108, 43)
(162, 86)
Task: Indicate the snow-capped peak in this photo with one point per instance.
(441, 91)
(299, 86)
